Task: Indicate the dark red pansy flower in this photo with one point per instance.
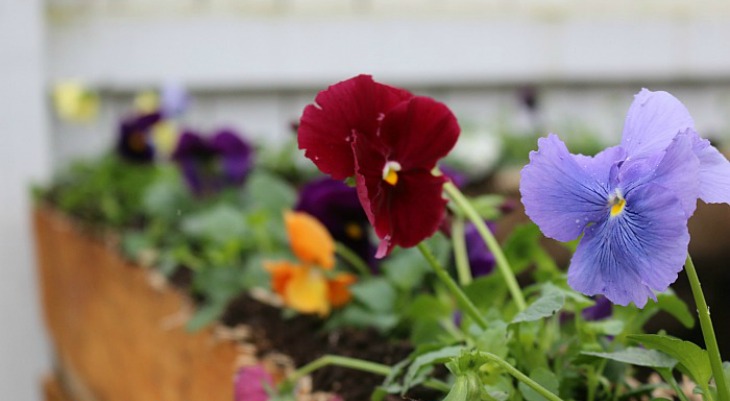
(391, 141)
(210, 164)
(338, 114)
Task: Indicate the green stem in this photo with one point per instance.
(464, 302)
(492, 244)
(357, 364)
(343, 361)
(666, 374)
(708, 332)
(521, 376)
(592, 383)
(463, 270)
(353, 259)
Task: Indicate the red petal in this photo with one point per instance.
(419, 132)
(369, 163)
(404, 214)
(354, 105)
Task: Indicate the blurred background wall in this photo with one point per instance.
(24, 157)
(254, 64)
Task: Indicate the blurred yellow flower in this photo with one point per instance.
(165, 135)
(309, 286)
(75, 102)
(147, 102)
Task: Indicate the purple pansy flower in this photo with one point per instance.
(135, 137)
(210, 164)
(338, 207)
(601, 310)
(481, 260)
(457, 177)
(251, 383)
(631, 202)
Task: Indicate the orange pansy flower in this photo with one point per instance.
(309, 286)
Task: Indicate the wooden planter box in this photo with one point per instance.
(114, 334)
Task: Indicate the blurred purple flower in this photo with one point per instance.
(481, 260)
(338, 207)
(210, 164)
(601, 310)
(135, 137)
(529, 98)
(251, 383)
(174, 99)
(457, 177)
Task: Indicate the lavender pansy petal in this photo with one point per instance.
(598, 165)
(642, 249)
(714, 174)
(174, 99)
(653, 120)
(676, 169)
(559, 196)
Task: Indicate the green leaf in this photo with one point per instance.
(219, 224)
(493, 339)
(206, 315)
(676, 307)
(427, 307)
(357, 316)
(692, 358)
(545, 378)
(165, 198)
(549, 302)
(134, 243)
(408, 275)
(218, 284)
(522, 247)
(269, 192)
(421, 366)
(488, 206)
(611, 327)
(377, 294)
(638, 356)
(486, 291)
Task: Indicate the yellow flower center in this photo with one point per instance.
(353, 230)
(618, 203)
(390, 172)
(138, 141)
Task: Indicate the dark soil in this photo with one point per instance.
(302, 339)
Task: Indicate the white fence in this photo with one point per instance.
(255, 64)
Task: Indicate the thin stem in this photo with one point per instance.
(463, 270)
(437, 385)
(592, 383)
(357, 364)
(343, 361)
(521, 376)
(666, 374)
(464, 302)
(492, 244)
(708, 332)
(353, 259)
